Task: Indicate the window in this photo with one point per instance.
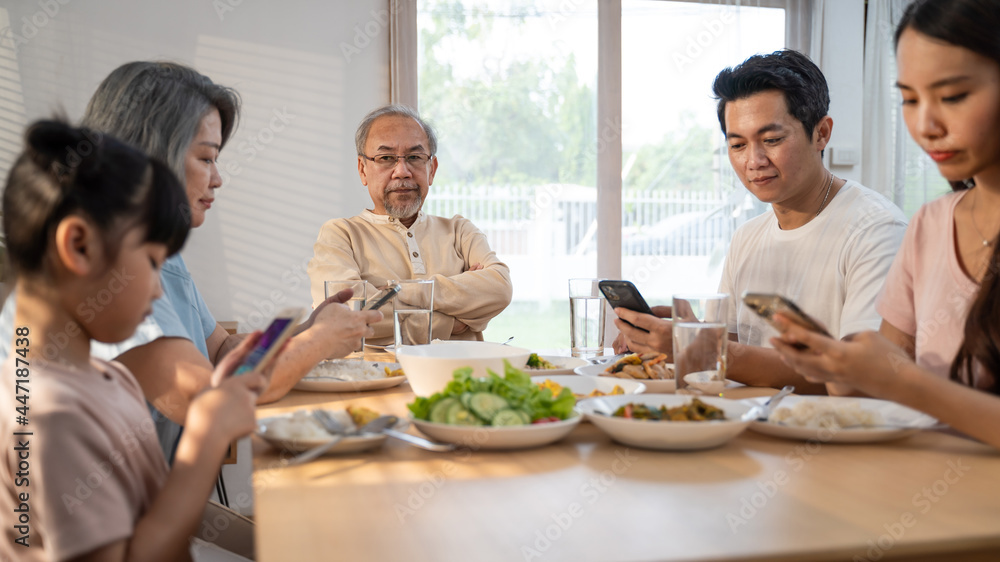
(681, 200)
(511, 87)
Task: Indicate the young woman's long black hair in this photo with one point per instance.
(973, 25)
(66, 170)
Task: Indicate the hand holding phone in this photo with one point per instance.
(275, 336)
(383, 297)
(623, 294)
(767, 305)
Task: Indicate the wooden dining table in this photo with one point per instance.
(929, 496)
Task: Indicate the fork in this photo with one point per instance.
(334, 427)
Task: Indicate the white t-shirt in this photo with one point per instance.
(833, 267)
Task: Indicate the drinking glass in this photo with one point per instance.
(413, 311)
(586, 311)
(700, 328)
(357, 302)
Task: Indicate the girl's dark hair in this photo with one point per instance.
(66, 170)
(972, 25)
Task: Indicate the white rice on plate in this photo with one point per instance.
(302, 426)
(347, 370)
(819, 414)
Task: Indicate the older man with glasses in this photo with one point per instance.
(395, 240)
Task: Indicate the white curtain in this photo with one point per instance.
(882, 155)
(892, 162)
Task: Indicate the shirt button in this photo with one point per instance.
(416, 255)
(391, 219)
(410, 234)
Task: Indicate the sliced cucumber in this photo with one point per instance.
(486, 404)
(439, 412)
(458, 415)
(464, 399)
(508, 417)
(524, 416)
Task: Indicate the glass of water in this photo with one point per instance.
(356, 303)
(586, 312)
(413, 311)
(700, 328)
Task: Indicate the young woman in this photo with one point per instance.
(83, 472)
(938, 349)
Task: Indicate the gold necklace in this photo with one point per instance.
(975, 196)
(825, 197)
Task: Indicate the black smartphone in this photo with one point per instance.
(276, 334)
(383, 296)
(623, 294)
(767, 304)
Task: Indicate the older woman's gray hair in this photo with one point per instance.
(158, 107)
(361, 136)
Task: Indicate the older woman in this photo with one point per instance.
(183, 118)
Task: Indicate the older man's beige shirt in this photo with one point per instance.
(377, 248)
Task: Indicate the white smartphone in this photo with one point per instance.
(276, 334)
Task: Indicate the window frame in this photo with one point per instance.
(799, 21)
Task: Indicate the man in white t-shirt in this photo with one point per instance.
(825, 243)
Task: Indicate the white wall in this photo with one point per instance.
(307, 72)
(842, 61)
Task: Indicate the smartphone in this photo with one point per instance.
(766, 305)
(276, 334)
(623, 294)
(384, 296)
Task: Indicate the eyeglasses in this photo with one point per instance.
(413, 160)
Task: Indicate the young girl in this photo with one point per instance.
(941, 301)
(88, 222)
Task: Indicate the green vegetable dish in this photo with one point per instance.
(507, 401)
(695, 410)
(536, 361)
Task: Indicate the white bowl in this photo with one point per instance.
(706, 381)
(430, 367)
(652, 385)
(665, 435)
(585, 385)
(497, 438)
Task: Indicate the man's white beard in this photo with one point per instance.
(401, 212)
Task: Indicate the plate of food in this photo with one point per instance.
(351, 375)
(651, 369)
(299, 431)
(494, 412)
(667, 422)
(588, 387)
(552, 364)
(840, 419)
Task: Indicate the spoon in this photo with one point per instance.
(510, 339)
(377, 425)
(761, 412)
